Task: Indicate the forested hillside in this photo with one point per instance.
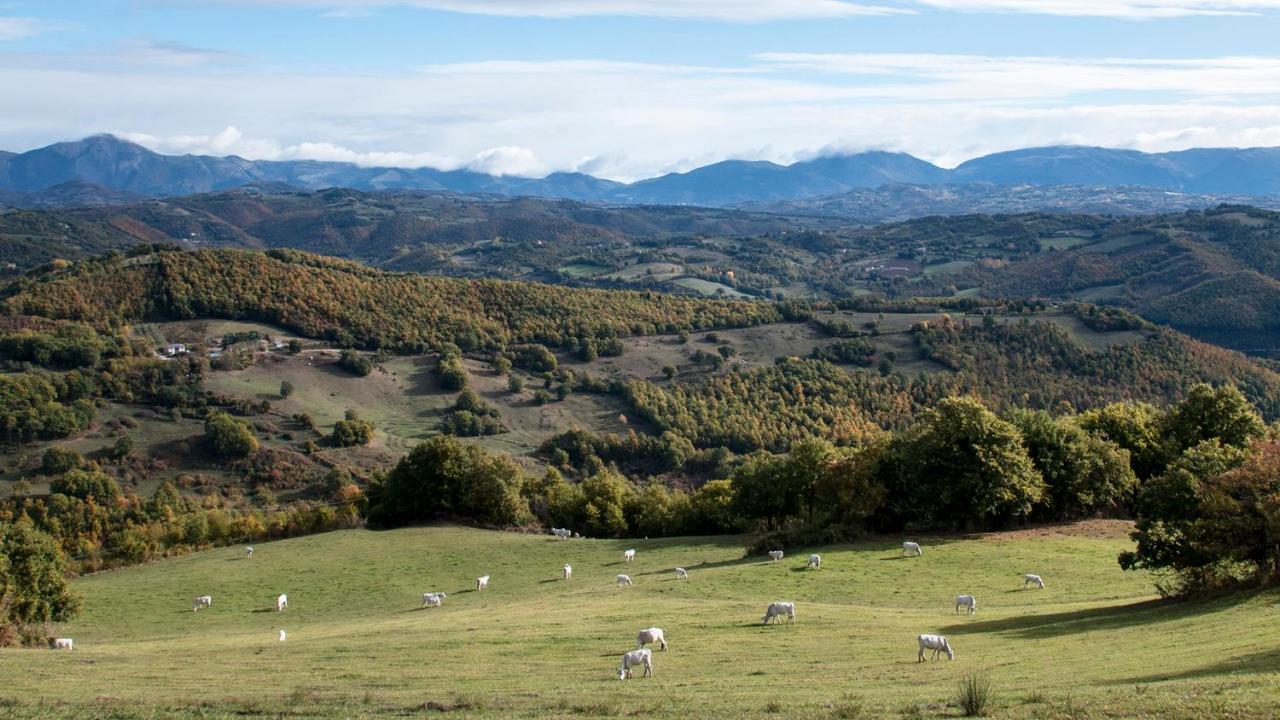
(352, 305)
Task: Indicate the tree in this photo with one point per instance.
(514, 383)
(1168, 508)
(759, 496)
(122, 449)
(84, 484)
(961, 465)
(351, 431)
(57, 460)
(286, 388)
(848, 488)
(295, 346)
(1134, 427)
(443, 478)
(1241, 513)
(605, 497)
(1082, 473)
(711, 508)
(1209, 413)
(355, 363)
(229, 438)
(669, 371)
(33, 577)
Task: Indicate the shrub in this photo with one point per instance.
(355, 363)
(229, 438)
(58, 460)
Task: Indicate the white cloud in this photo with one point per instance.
(1125, 9)
(17, 28)
(508, 160)
(630, 120)
(231, 141)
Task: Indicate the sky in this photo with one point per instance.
(627, 89)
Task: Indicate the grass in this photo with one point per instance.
(975, 694)
(535, 646)
(708, 288)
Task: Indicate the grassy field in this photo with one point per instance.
(1094, 643)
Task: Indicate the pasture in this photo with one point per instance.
(1094, 643)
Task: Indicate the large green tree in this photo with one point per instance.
(961, 465)
(33, 577)
(1082, 473)
(443, 478)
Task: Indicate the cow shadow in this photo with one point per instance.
(1262, 661)
(264, 610)
(1112, 617)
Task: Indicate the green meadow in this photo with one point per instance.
(1095, 642)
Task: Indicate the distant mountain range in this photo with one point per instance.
(98, 169)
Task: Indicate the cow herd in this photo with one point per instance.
(643, 656)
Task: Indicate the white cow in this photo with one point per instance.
(643, 657)
(775, 555)
(649, 636)
(282, 636)
(64, 644)
(433, 599)
(248, 551)
(562, 533)
(568, 571)
(482, 582)
(778, 609)
(682, 574)
(910, 548)
(937, 644)
(815, 561)
(624, 580)
(282, 602)
(204, 601)
(629, 555)
(967, 601)
(1030, 579)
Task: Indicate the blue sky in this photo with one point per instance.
(631, 88)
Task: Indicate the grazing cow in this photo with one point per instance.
(568, 571)
(775, 555)
(937, 644)
(629, 555)
(433, 599)
(649, 636)
(64, 644)
(204, 601)
(778, 609)
(282, 636)
(482, 582)
(248, 551)
(562, 533)
(282, 602)
(910, 548)
(624, 580)
(815, 561)
(967, 601)
(1030, 579)
(682, 574)
(643, 657)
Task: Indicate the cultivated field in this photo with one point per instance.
(1094, 643)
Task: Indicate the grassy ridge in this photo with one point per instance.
(534, 646)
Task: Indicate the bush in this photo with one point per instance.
(351, 432)
(975, 694)
(355, 363)
(452, 375)
(229, 438)
(86, 483)
(58, 460)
